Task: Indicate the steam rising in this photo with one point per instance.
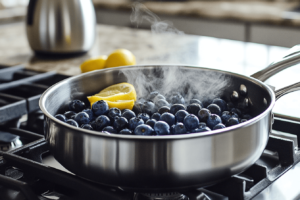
(191, 83)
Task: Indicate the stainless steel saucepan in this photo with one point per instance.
(160, 163)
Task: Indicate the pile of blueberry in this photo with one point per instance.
(159, 116)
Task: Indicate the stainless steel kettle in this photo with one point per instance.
(61, 26)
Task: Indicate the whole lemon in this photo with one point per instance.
(120, 57)
(93, 64)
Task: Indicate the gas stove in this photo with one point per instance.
(28, 171)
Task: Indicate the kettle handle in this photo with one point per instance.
(30, 11)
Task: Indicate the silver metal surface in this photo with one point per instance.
(61, 26)
(149, 163)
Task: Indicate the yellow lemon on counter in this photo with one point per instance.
(120, 57)
(122, 96)
(93, 64)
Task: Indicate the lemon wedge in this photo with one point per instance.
(121, 104)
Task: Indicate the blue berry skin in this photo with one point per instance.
(76, 105)
(125, 131)
(213, 120)
(148, 107)
(237, 111)
(69, 114)
(61, 117)
(87, 126)
(120, 123)
(152, 95)
(180, 115)
(193, 108)
(201, 124)
(202, 129)
(114, 112)
(172, 129)
(100, 108)
(151, 122)
(247, 117)
(177, 99)
(82, 118)
(179, 129)
(161, 102)
(168, 117)
(128, 114)
(89, 112)
(144, 116)
(159, 97)
(191, 122)
(232, 121)
(226, 115)
(125, 110)
(196, 101)
(214, 109)
(221, 103)
(143, 129)
(101, 122)
(219, 126)
(162, 128)
(174, 108)
(109, 129)
(72, 122)
(156, 116)
(163, 110)
(134, 122)
(203, 114)
(137, 108)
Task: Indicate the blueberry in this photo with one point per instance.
(219, 126)
(87, 126)
(143, 129)
(221, 103)
(237, 111)
(226, 115)
(174, 108)
(230, 105)
(125, 132)
(213, 120)
(70, 114)
(168, 117)
(214, 109)
(120, 123)
(89, 112)
(234, 96)
(144, 116)
(151, 122)
(247, 117)
(152, 95)
(201, 129)
(180, 115)
(128, 114)
(158, 97)
(203, 114)
(161, 102)
(125, 110)
(179, 129)
(72, 122)
(156, 116)
(232, 121)
(101, 122)
(162, 128)
(148, 107)
(76, 105)
(93, 124)
(177, 99)
(134, 122)
(196, 101)
(100, 108)
(82, 118)
(243, 120)
(138, 107)
(163, 110)
(193, 108)
(202, 124)
(114, 112)
(191, 122)
(172, 129)
(243, 90)
(61, 117)
(109, 129)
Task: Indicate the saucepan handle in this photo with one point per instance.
(290, 59)
(288, 89)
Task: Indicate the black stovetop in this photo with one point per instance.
(27, 173)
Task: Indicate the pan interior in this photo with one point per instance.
(79, 87)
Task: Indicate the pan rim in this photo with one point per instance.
(165, 137)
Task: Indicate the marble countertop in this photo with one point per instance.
(149, 48)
